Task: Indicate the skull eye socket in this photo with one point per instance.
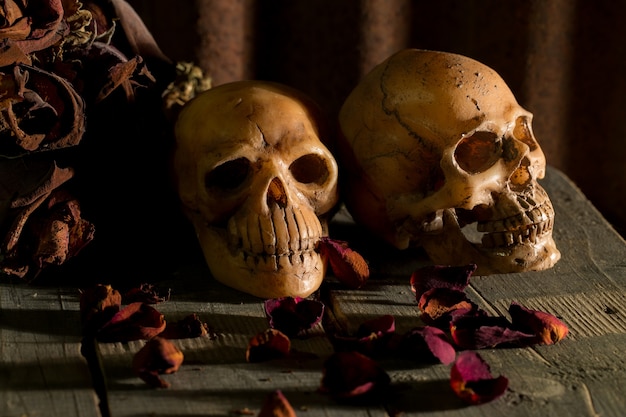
(522, 132)
(229, 175)
(310, 169)
(478, 152)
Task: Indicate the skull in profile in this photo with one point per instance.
(257, 184)
(436, 152)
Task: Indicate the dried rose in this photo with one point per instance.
(291, 315)
(547, 328)
(158, 356)
(427, 344)
(276, 405)
(267, 345)
(348, 266)
(471, 379)
(371, 338)
(350, 375)
(133, 322)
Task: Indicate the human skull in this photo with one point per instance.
(436, 152)
(257, 184)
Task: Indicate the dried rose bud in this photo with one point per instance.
(348, 266)
(291, 315)
(547, 328)
(350, 375)
(276, 405)
(158, 356)
(471, 379)
(267, 345)
(427, 344)
(133, 322)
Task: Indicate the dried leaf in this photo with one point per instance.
(471, 379)
(98, 305)
(146, 293)
(158, 356)
(189, 327)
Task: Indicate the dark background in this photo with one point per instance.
(564, 60)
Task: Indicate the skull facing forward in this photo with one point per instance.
(257, 184)
(437, 153)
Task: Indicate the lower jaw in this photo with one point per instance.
(528, 256)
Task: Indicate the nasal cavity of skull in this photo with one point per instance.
(276, 193)
(310, 169)
(228, 176)
(478, 152)
(521, 179)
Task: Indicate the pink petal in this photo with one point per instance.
(471, 379)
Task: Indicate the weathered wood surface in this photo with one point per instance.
(42, 372)
(583, 375)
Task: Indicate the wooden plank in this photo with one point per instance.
(42, 372)
(215, 378)
(584, 375)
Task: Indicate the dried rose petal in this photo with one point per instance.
(441, 276)
(291, 315)
(158, 356)
(547, 328)
(133, 322)
(479, 331)
(471, 379)
(352, 375)
(276, 405)
(437, 304)
(372, 338)
(188, 327)
(146, 293)
(348, 266)
(427, 344)
(98, 305)
(267, 345)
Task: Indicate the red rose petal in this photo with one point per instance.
(349, 267)
(352, 375)
(133, 322)
(441, 276)
(471, 379)
(481, 332)
(267, 345)
(276, 405)
(291, 315)
(546, 327)
(158, 356)
(427, 344)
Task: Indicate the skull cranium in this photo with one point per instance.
(257, 184)
(433, 142)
